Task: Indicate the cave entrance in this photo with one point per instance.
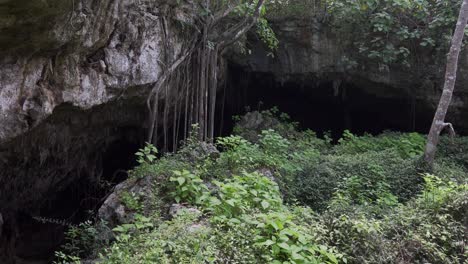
(90, 153)
(330, 103)
(40, 236)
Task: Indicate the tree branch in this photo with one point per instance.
(238, 30)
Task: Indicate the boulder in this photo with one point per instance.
(114, 210)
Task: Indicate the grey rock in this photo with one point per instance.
(81, 57)
(253, 123)
(175, 209)
(196, 227)
(267, 173)
(200, 151)
(310, 52)
(115, 212)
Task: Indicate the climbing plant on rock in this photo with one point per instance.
(393, 32)
(189, 82)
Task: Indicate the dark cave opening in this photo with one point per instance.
(40, 236)
(328, 104)
(88, 153)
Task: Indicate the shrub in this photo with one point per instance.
(454, 150)
(239, 154)
(371, 203)
(245, 193)
(424, 230)
(187, 187)
(315, 184)
(82, 240)
(285, 241)
(253, 123)
(180, 240)
(407, 145)
(132, 201)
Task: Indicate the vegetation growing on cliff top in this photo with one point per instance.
(286, 196)
(395, 32)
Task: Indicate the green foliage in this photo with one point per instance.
(63, 258)
(267, 35)
(140, 224)
(372, 204)
(174, 241)
(360, 191)
(287, 242)
(187, 187)
(321, 176)
(81, 241)
(132, 201)
(271, 119)
(303, 9)
(454, 150)
(437, 191)
(422, 230)
(245, 193)
(238, 155)
(147, 155)
(425, 228)
(389, 32)
(407, 145)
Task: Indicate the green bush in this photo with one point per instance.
(428, 229)
(187, 187)
(241, 194)
(286, 242)
(180, 240)
(408, 145)
(315, 184)
(363, 200)
(455, 151)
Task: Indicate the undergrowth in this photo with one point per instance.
(287, 196)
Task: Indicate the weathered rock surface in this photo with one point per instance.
(91, 52)
(200, 151)
(81, 53)
(310, 53)
(74, 75)
(251, 125)
(176, 209)
(114, 210)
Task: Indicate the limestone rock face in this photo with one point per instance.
(74, 75)
(309, 52)
(82, 54)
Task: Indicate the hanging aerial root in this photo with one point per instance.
(199, 65)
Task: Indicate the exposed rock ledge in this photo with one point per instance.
(83, 53)
(86, 57)
(310, 52)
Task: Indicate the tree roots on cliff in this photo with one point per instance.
(189, 83)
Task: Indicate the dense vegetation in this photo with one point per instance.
(281, 195)
(381, 33)
(278, 194)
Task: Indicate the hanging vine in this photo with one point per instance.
(191, 80)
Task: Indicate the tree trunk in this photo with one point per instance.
(438, 124)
